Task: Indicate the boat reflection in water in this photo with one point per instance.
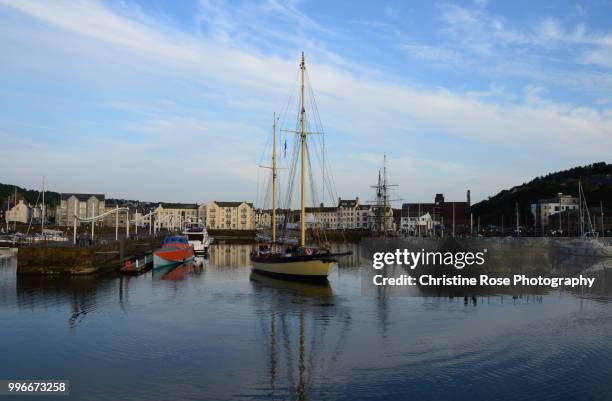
(305, 327)
(317, 290)
(177, 272)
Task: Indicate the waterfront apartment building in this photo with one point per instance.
(263, 218)
(20, 213)
(363, 217)
(347, 213)
(112, 219)
(545, 208)
(229, 216)
(325, 217)
(86, 205)
(137, 212)
(174, 216)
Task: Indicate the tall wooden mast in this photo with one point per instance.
(274, 180)
(42, 209)
(303, 158)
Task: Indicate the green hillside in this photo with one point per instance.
(30, 195)
(596, 180)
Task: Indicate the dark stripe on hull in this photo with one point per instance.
(291, 259)
(292, 277)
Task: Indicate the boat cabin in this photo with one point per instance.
(194, 228)
(175, 239)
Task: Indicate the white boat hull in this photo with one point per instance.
(199, 247)
(305, 268)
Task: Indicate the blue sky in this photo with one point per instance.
(172, 101)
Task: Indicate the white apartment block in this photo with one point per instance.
(85, 205)
(175, 216)
(548, 207)
(229, 216)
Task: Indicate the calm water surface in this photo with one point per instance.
(219, 332)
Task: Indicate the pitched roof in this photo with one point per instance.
(319, 209)
(231, 204)
(460, 207)
(413, 213)
(82, 197)
(347, 202)
(415, 207)
(278, 210)
(168, 205)
(558, 198)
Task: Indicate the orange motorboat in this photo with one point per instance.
(175, 250)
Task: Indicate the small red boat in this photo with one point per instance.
(175, 250)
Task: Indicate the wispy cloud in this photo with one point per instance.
(202, 100)
(432, 53)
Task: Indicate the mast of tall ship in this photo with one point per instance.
(15, 220)
(385, 195)
(274, 180)
(303, 159)
(42, 209)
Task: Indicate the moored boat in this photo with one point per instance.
(175, 250)
(589, 244)
(198, 238)
(47, 236)
(294, 261)
(308, 263)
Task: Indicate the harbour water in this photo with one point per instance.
(219, 332)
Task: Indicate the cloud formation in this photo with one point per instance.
(118, 99)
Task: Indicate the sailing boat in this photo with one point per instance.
(298, 262)
(589, 244)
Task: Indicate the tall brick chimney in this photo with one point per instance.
(469, 201)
